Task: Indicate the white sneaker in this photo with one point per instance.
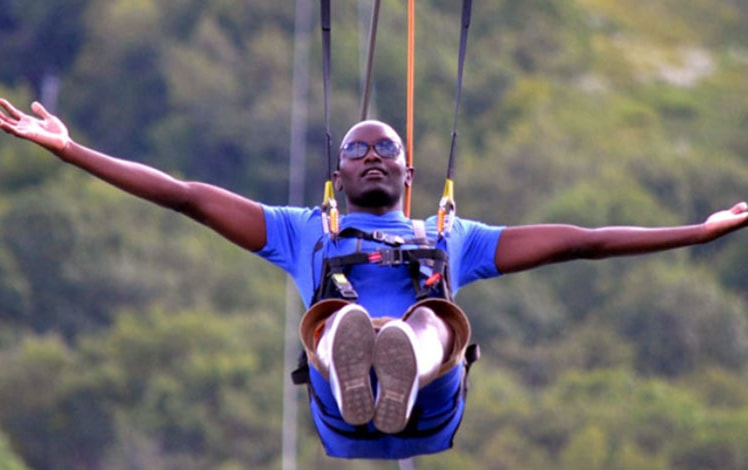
(397, 371)
(350, 364)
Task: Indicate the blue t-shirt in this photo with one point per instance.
(296, 243)
(292, 234)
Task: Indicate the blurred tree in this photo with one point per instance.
(591, 112)
(587, 450)
(102, 251)
(8, 459)
(194, 386)
(50, 32)
(116, 90)
(679, 320)
(51, 424)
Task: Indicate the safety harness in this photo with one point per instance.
(428, 266)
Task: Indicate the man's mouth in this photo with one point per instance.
(373, 172)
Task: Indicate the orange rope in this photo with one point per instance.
(410, 86)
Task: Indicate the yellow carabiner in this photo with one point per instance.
(330, 213)
(445, 213)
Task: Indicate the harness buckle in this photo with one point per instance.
(388, 257)
(381, 237)
(344, 287)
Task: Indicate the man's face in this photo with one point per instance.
(373, 182)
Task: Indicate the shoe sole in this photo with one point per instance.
(351, 359)
(397, 371)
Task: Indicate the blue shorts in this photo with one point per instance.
(436, 416)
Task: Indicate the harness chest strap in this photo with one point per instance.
(335, 283)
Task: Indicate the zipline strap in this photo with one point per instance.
(445, 214)
(330, 219)
(325, 21)
(410, 98)
(370, 59)
(466, 11)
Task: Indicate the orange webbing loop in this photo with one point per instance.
(410, 100)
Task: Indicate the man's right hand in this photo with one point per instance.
(49, 131)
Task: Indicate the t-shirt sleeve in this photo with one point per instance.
(285, 228)
(478, 251)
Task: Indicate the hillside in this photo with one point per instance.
(130, 338)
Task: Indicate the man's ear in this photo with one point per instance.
(336, 182)
(409, 176)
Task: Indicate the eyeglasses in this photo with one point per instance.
(385, 148)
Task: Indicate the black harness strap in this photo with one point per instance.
(370, 59)
(435, 282)
(466, 13)
(326, 33)
(392, 240)
(388, 257)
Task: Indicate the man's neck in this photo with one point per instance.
(379, 210)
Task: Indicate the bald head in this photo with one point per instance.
(374, 179)
(383, 127)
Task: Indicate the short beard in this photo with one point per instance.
(376, 198)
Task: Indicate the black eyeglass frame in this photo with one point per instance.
(358, 149)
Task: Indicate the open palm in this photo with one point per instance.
(728, 220)
(47, 130)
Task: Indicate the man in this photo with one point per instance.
(412, 402)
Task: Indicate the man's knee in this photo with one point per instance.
(312, 326)
(451, 316)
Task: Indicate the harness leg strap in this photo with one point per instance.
(455, 319)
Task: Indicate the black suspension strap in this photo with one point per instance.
(330, 213)
(446, 211)
(370, 59)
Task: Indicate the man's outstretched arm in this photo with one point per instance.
(525, 247)
(239, 219)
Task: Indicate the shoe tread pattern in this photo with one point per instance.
(352, 358)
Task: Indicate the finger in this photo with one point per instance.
(10, 109)
(5, 119)
(5, 111)
(40, 110)
(739, 208)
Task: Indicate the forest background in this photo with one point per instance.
(132, 338)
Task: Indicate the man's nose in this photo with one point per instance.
(371, 154)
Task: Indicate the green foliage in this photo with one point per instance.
(587, 450)
(8, 459)
(36, 26)
(130, 338)
(707, 325)
(47, 419)
(71, 273)
(192, 387)
(608, 418)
